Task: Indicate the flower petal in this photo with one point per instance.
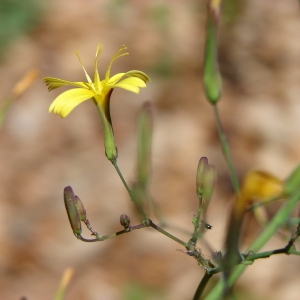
(85, 72)
(115, 78)
(133, 73)
(96, 73)
(54, 83)
(131, 84)
(138, 74)
(68, 100)
(115, 56)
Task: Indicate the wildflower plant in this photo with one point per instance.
(100, 92)
(256, 191)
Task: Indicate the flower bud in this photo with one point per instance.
(212, 77)
(125, 221)
(202, 167)
(209, 182)
(72, 211)
(205, 179)
(80, 208)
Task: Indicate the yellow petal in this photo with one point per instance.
(68, 100)
(138, 74)
(133, 73)
(131, 84)
(115, 56)
(96, 73)
(85, 72)
(115, 78)
(54, 83)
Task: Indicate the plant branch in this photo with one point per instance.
(286, 250)
(202, 286)
(122, 178)
(145, 223)
(174, 238)
(226, 151)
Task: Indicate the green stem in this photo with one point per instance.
(122, 178)
(261, 240)
(265, 203)
(266, 254)
(174, 238)
(202, 286)
(226, 151)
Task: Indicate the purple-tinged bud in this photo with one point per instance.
(125, 221)
(72, 211)
(80, 208)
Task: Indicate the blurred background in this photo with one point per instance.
(40, 153)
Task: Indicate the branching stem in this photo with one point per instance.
(145, 223)
(226, 151)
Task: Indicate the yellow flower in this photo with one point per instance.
(99, 91)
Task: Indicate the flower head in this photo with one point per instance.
(99, 91)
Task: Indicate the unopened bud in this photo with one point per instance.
(202, 167)
(292, 182)
(72, 211)
(81, 209)
(125, 221)
(209, 182)
(205, 179)
(212, 76)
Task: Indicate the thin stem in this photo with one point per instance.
(266, 202)
(122, 178)
(202, 286)
(286, 250)
(174, 238)
(196, 222)
(145, 223)
(100, 238)
(226, 151)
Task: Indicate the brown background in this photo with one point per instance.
(40, 153)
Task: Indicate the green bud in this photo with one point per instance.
(209, 182)
(200, 178)
(72, 211)
(292, 182)
(80, 208)
(125, 221)
(212, 77)
(145, 124)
